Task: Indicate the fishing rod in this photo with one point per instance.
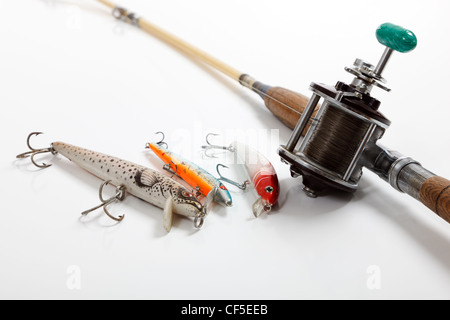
(285, 104)
(340, 134)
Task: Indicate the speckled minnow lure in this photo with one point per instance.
(192, 174)
(144, 183)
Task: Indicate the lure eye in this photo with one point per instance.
(269, 189)
(187, 194)
(223, 187)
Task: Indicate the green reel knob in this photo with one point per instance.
(396, 37)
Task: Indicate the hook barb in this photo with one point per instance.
(119, 196)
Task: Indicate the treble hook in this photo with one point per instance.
(35, 152)
(242, 186)
(119, 196)
(168, 168)
(162, 143)
(210, 146)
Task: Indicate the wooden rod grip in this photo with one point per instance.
(286, 105)
(435, 194)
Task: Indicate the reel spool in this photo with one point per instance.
(344, 124)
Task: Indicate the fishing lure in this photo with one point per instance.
(141, 182)
(261, 172)
(204, 182)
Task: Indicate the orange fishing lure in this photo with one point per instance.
(198, 178)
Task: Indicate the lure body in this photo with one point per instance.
(195, 176)
(262, 174)
(144, 183)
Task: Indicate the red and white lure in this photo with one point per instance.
(144, 183)
(261, 172)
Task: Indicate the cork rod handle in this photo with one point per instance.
(286, 105)
(435, 194)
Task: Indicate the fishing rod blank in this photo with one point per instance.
(285, 104)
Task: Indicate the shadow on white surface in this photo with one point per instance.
(419, 225)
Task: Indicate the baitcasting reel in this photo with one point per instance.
(341, 134)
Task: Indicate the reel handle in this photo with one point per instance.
(396, 37)
(435, 194)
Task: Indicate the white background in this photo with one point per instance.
(69, 69)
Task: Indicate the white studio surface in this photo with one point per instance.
(72, 71)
